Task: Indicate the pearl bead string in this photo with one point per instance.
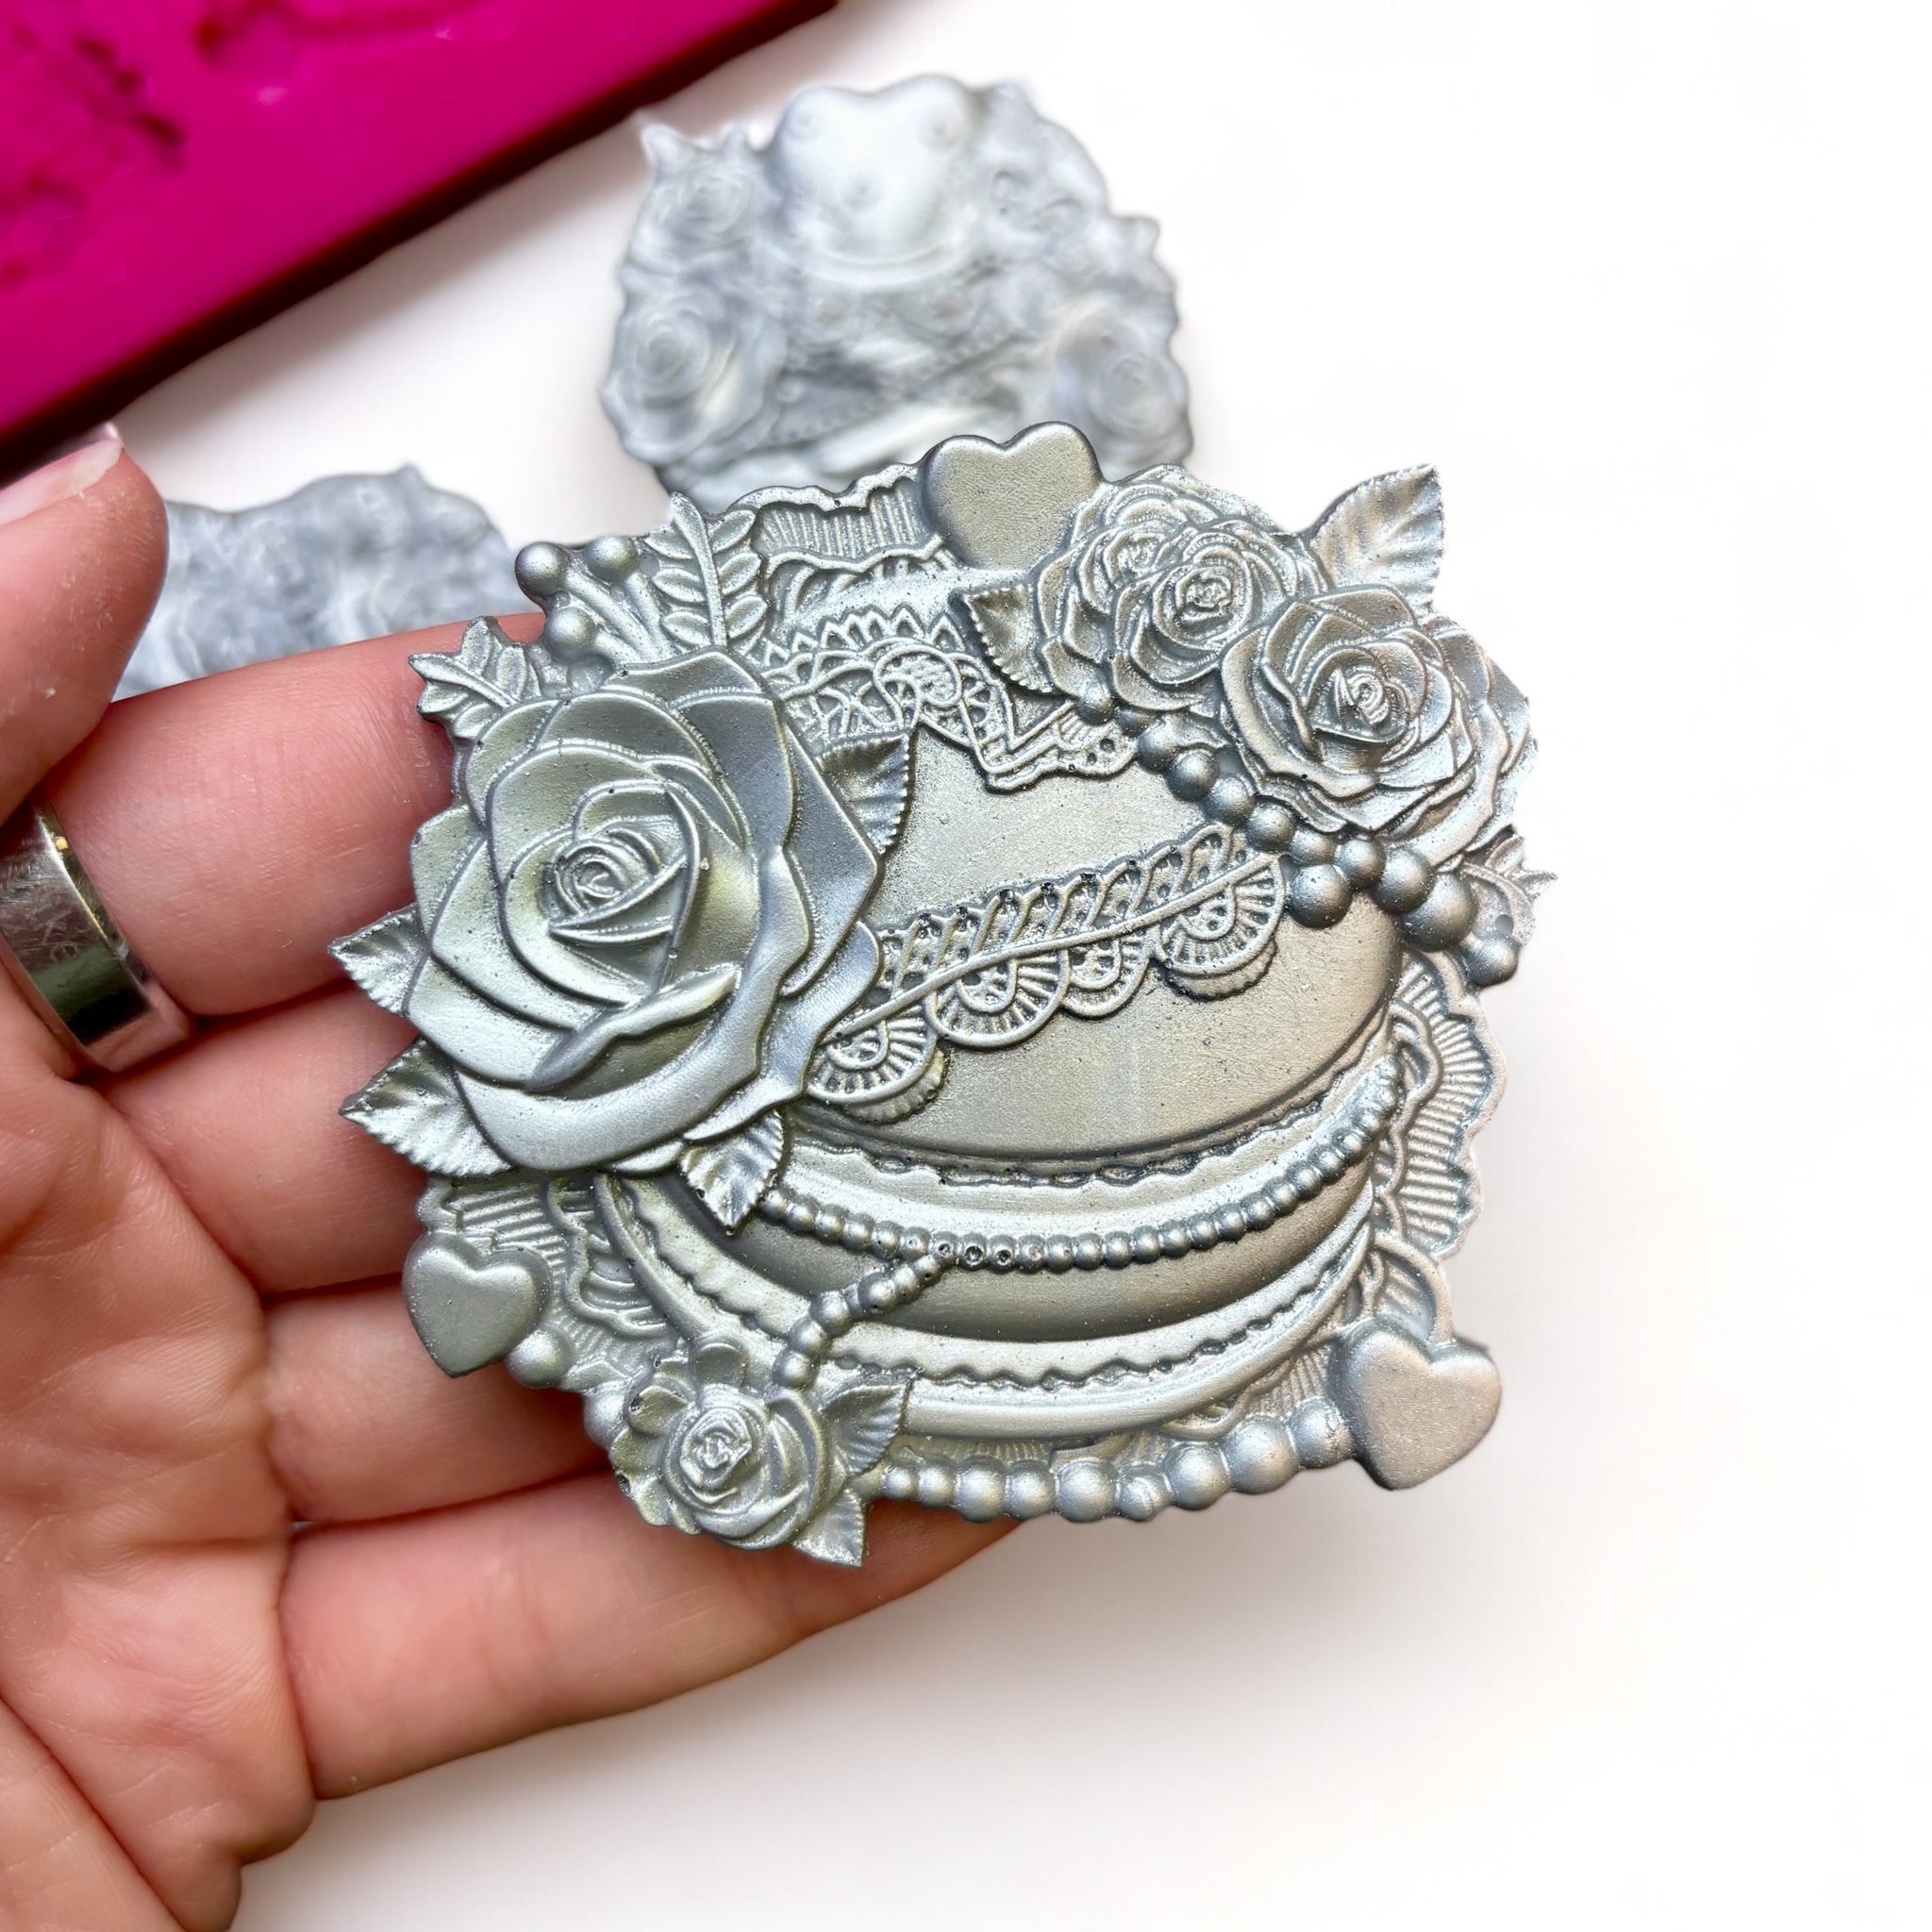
(1433, 910)
(927, 1257)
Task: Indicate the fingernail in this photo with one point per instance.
(66, 476)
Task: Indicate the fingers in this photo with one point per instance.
(59, 1865)
(415, 1642)
(364, 1425)
(82, 546)
(236, 825)
(246, 1125)
(143, 1533)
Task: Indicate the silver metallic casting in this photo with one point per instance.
(891, 268)
(67, 956)
(343, 558)
(965, 991)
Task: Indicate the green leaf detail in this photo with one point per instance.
(682, 586)
(1009, 626)
(731, 529)
(862, 1421)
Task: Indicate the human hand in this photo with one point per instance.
(203, 1344)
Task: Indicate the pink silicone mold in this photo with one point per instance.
(171, 170)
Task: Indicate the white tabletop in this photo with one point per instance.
(1638, 278)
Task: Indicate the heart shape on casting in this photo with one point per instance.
(471, 1308)
(1003, 506)
(1413, 1411)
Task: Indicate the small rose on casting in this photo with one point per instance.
(1114, 373)
(688, 365)
(1377, 719)
(701, 200)
(641, 915)
(705, 1453)
(1155, 583)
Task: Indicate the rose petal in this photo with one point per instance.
(742, 733)
(1430, 764)
(1263, 717)
(719, 1360)
(832, 861)
(1499, 725)
(1069, 671)
(687, 997)
(623, 718)
(1167, 661)
(467, 936)
(1366, 607)
(1237, 551)
(793, 1036)
(558, 1132)
(1086, 634)
(582, 970)
(678, 680)
(507, 740)
(1050, 593)
(772, 1519)
(478, 1034)
(536, 799)
(627, 910)
(1131, 688)
(621, 800)
(654, 1408)
(436, 852)
(656, 1504)
(1414, 667)
(651, 1160)
(532, 807)
(1371, 807)
(721, 920)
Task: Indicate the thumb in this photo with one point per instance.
(83, 541)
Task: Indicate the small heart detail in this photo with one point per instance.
(1004, 506)
(1414, 1410)
(471, 1308)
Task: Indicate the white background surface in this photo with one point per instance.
(1643, 280)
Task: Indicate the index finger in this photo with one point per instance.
(236, 825)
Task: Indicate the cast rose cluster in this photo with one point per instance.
(1349, 706)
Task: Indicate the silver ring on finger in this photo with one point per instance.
(67, 955)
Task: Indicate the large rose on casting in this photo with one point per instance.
(1155, 583)
(705, 1452)
(1377, 719)
(641, 916)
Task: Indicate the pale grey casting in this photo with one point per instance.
(965, 991)
(891, 268)
(343, 558)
